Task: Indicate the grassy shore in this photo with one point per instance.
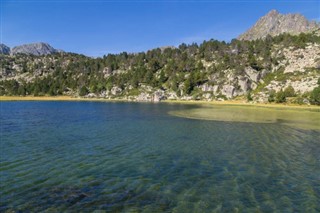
(53, 98)
(207, 103)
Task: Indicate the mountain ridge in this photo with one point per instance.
(275, 23)
(37, 48)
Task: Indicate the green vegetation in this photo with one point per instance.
(281, 96)
(181, 70)
(315, 95)
(249, 97)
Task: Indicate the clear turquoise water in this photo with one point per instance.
(130, 157)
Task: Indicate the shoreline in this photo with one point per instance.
(56, 98)
(243, 103)
(208, 103)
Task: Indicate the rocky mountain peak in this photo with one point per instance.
(4, 49)
(34, 49)
(275, 23)
(273, 13)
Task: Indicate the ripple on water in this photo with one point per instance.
(67, 157)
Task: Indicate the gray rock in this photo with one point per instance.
(158, 96)
(275, 23)
(253, 74)
(228, 91)
(244, 84)
(91, 95)
(209, 88)
(215, 89)
(172, 96)
(116, 90)
(34, 49)
(207, 96)
(4, 49)
(306, 101)
(206, 88)
(144, 97)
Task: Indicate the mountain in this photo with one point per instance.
(34, 49)
(261, 70)
(281, 68)
(275, 23)
(4, 49)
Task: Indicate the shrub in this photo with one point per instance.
(272, 95)
(83, 91)
(315, 96)
(299, 100)
(281, 97)
(249, 97)
(289, 92)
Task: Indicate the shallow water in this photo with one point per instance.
(298, 118)
(130, 157)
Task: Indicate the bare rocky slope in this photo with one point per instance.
(34, 49)
(29, 49)
(4, 49)
(275, 23)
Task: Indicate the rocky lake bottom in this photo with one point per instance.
(141, 157)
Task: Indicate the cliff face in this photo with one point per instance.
(275, 23)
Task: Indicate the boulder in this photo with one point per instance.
(116, 90)
(244, 84)
(158, 96)
(172, 96)
(228, 91)
(144, 97)
(252, 74)
(207, 96)
(206, 88)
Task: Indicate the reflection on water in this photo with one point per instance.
(124, 157)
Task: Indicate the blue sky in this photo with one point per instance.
(99, 27)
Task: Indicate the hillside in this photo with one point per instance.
(212, 70)
(277, 68)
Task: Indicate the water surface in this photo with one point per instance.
(296, 117)
(130, 157)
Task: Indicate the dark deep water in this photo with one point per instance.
(135, 157)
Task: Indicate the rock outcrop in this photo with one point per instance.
(275, 23)
(228, 91)
(300, 59)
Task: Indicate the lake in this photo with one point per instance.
(144, 157)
